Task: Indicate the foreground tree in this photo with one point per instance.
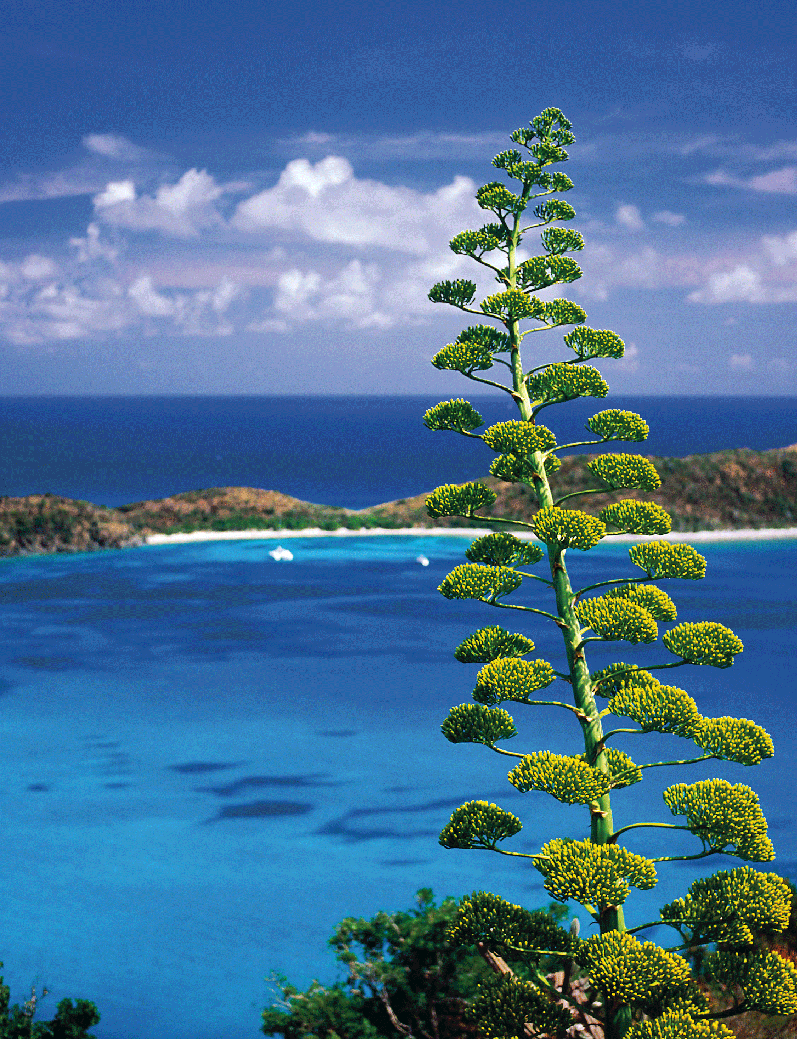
(641, 991)
(404, 979)
(70, 1022)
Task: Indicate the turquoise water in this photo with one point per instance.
(211, 758)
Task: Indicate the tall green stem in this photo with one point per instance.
(618, 1019)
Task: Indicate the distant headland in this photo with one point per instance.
(724, 491)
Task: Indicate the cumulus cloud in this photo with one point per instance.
(629, 217)
(181, 210)
(781, 250)
(326, 202)
(37, 268)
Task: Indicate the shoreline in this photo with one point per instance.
(766, 534)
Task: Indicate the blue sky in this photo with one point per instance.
(254, 197)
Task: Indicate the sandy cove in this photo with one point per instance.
(772, 534)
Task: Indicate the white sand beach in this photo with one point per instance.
(464, 532)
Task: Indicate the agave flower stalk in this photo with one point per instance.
(640, 991)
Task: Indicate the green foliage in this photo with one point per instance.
(645, 992)
(70, 1022)
(397, 963)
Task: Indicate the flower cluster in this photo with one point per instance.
(627, 970)
(459, 499)
(657, 708)
(734, 739)
(658, 604)
(475, 723)
(596, 875)
(520, 438)
(769, 981)
(509, 678)
(479, 824)
(568, 528)
(662, 559)
(463, 357)
(614, 424)
(703, 643)
(563, 381)
(614, 619)
(596, 342)
(636, 517)
(486, 917)
(625, 471)
(725, 817)
(610, 680)
(502, 548)
(568, 779)
(453, 415)
(678, 1024)
(488, 644)
(471, 581)
(732, 906)
(503, 1005)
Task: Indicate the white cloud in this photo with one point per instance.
(671, 219)
(116, 192)
(113, 146)
(148, 300)
(630, 359)
(629, 217)
(778, 182)
(742, 284)
(37, 268)
(325, 202)
(741, 362)
(781, 250)
(179, 210)
(92, 247)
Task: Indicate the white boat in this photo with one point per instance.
(422, 560)
(280, 553)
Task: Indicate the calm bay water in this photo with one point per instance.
(211, 758)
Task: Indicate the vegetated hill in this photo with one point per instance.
(726, 490)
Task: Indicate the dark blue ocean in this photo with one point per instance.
(211, 758)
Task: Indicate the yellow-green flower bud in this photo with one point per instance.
(678, 1024)
(636, 517)
(479, 824)
(459, 499)
(625, 471)
(598, 342)
(596, 875)
(630, 971)
(453, 415)
(487, 583)
(614, 619)
(657, 708)
(488, 644)
(610, 680)
(614, 424)
(658, 604)
(703, 643)
(463, 357)
(662, 559)
(769, 981)
(725, 817)
(509, 678)
(568, 779)
(561, 382)
(502, 548)
(568, 528)
(475, 723)
(519, 438)
(732, 906)
(734, 739)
